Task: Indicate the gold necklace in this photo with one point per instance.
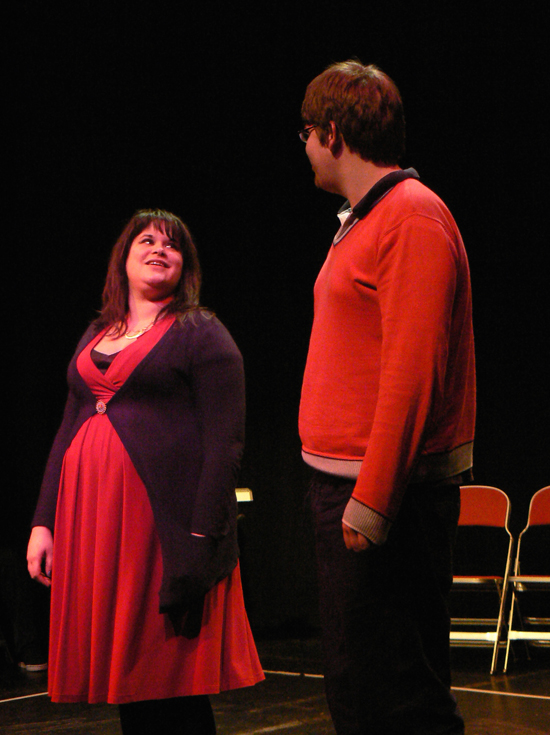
(138, 332)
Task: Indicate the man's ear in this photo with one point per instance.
(334, 139)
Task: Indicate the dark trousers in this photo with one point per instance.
(176, 716)
(384, 614)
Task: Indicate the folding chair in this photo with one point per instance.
(483, 557)
(531, 577)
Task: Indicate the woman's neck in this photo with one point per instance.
(142, 312)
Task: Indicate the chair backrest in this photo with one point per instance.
(534, 540)
(482, 505)
(539, 508)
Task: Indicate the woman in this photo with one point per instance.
(140, 486)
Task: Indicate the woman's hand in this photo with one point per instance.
(39, 555)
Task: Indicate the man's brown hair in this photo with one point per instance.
(366, 107)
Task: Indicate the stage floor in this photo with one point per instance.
(291, 700)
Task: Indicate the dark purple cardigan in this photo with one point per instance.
(180, 417)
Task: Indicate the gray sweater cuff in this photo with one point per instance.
(366, 521)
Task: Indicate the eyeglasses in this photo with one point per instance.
(306, 132)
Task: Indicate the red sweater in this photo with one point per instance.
(390, 378)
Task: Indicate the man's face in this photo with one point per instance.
(322, 162)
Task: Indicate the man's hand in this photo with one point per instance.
(355, 541)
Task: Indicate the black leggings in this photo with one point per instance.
(177, 716)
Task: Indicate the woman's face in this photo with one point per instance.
(154, 264)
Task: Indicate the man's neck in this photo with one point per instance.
(361, 177)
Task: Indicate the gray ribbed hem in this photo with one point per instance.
(435, 467)
(366, 521)
(348, 468)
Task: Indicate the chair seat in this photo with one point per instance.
(486, 636)
(463, 579)
(530, 579)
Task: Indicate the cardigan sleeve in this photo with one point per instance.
(47, 500)
(74, 414)
(195, 560)
(218, 388)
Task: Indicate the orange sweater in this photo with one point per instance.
(389, 387)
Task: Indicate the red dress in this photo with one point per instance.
(108, 642)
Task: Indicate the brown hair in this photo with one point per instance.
(115, 293)
(366, 107)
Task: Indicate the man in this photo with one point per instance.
(386, 415)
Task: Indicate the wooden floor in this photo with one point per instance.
(291, 700)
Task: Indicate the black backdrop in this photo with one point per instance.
(194, 107)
